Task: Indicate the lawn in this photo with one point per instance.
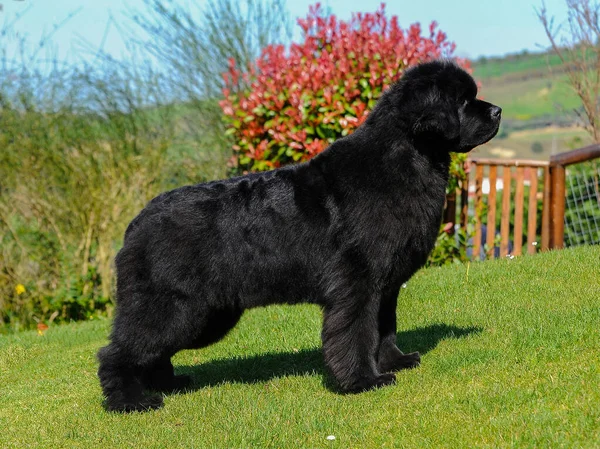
(510, 358)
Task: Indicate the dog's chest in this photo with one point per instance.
(412, 225)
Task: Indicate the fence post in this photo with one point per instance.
(464, 204)
(478, 209)
(450, 210)
(546, 211)
(557, 219)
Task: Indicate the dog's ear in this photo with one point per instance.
(439, 123)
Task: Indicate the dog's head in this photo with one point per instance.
(439, 105)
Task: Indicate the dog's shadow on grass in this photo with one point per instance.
(264, 367)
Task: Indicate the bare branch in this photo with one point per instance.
(578, 47)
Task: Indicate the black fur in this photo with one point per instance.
(344, 231)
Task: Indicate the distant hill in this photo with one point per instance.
(529, 87)
(538, 105)
(523, 63)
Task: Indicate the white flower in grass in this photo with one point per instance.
(331, 437)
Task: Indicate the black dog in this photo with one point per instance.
(344, 231)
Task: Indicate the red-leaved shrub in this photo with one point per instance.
(295, 103)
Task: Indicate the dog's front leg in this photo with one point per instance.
(350, 344)
(390, 357)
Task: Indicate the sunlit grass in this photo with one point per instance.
(510, 359)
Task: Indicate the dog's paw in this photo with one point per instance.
(151, 402)
(384, 379)
(370, 383)
(180, 382)
(411, 360)
(399, 362)
(145, 403)
(171, 384)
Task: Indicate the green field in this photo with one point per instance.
(509, 359)
(516, 64)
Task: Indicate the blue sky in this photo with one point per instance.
(478, 27)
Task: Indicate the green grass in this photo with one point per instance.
(510, 359)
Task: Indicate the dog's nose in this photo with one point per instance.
(496, 111)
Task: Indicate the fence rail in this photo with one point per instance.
(546, 182)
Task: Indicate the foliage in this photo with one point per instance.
(83, 149)
(453, 242)
(193, 47)
(85, 146)
(451, 245)
(300, 102)
(537, 147)
(322, 89)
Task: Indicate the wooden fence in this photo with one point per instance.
(546, 181)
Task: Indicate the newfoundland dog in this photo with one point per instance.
(344, 230)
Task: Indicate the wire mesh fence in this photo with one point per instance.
(582, 208)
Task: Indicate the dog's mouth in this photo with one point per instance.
(484, 140)
(492, 133)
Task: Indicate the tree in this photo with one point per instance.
(578, 46)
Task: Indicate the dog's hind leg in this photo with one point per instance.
(121, 384)
(160, 377)
(390, 358)
(142, 341)
(350, 344)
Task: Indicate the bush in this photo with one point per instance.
(322, 89)
(82, 150)
(69, 184)
(537, 147)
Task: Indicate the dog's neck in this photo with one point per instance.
(371, 163)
